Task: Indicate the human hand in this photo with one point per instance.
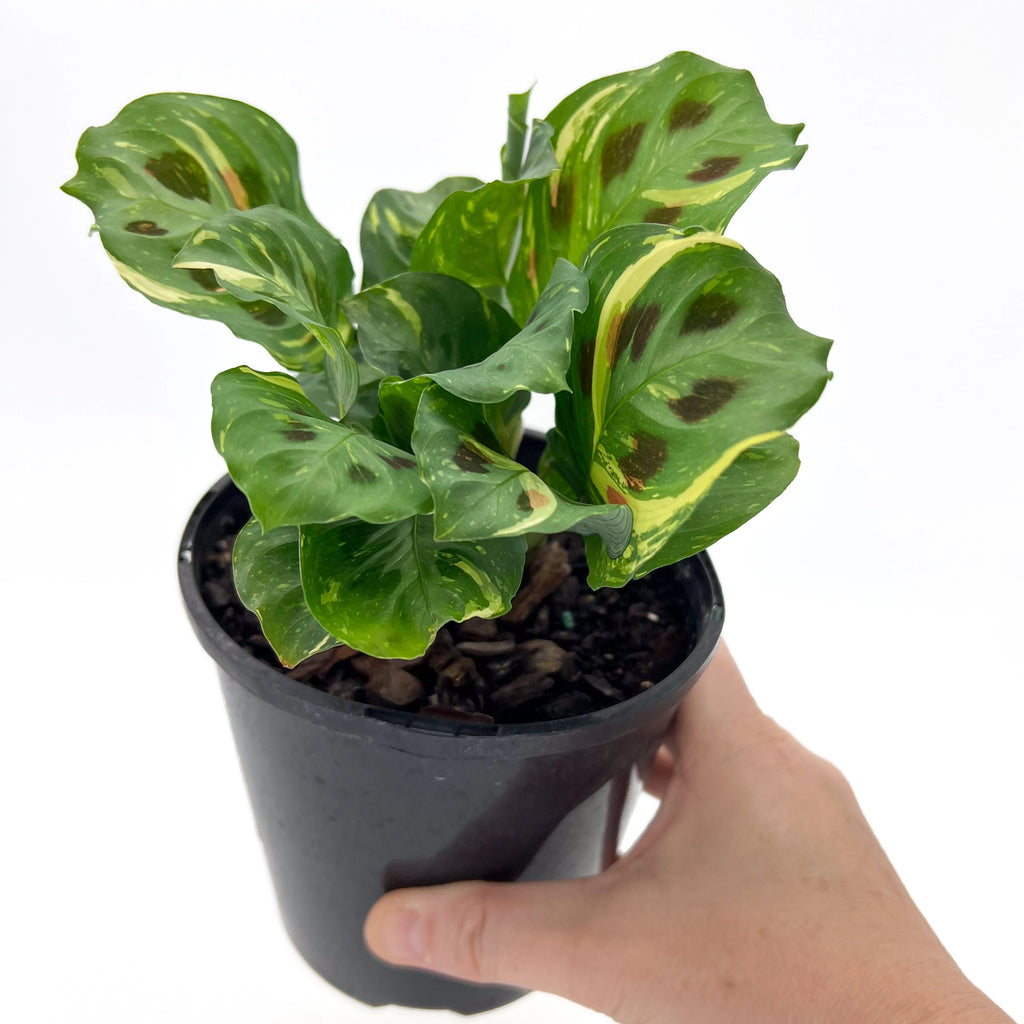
(757, 893)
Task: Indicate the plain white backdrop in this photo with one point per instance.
(876, 607)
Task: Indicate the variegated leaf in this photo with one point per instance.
(296, 465)
(537, 358)
(473, 235)
(685, 358)
(266, 572)
(480, 493)
(417, 324)
(387, 589)
(392, 223)
(515, 144)
(162, 167)
(269, 254)
(683, 142)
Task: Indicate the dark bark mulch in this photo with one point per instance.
(562, 650)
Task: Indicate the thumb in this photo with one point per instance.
(524, 934)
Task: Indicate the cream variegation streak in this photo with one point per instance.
(698, 193)
(665, 246)
(157, 291)
(223, 166)
(656, 519)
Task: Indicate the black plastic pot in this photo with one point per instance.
(352, 801)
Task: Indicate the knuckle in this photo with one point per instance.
(472, 938)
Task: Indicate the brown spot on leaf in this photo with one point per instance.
(531, 266)
(705, 398)
(470, 460)
(145, 227)
(398, 462)
(620, 151)
(530, 500)
(563, 201)
(614, 345)
(714, 168)
(265, 312)
(182, 173)
(708, 312)
(639, 325)
(360, 474)
(615, 497)
(662, 214)
(645, 460)
(205, 278)
(299, 435)
(688, 114)
(587, 366)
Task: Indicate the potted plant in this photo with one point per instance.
(427, 712)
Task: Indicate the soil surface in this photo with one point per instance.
(562, 650)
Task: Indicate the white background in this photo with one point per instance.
(875, 607)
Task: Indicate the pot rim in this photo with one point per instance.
(397, 727)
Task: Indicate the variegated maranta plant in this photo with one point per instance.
(381, 467)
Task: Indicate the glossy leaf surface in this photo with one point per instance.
(296, 465)
(167, 163)
(266, 572)
(685, 358)
(269, 254)
(387, 589)
(682, 142)
(392, 223)
(479, 492)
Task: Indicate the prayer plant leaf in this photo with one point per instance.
(266, 571)
(166, 164)
(392, 223)
(480, 493)
(757, 477)
(296, 465)
(537, 358)
(387, 589)
(512, 151)
(473, 235)
(682, 142)
(269, 254)
(417, 324)
(685, 358)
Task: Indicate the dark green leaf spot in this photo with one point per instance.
(662, 214)
(255, 187)
(361, 474)
(265, 312)
(644, 461)
(181, 173)
(637, 327)
(714, 168)
(397, 462)
(145, 227)
(688, 114)
(468, 459)
(620, 151)
(708, 396)
(562, 203)
(707, 312)
(299, 435)
(532, 499)
(205, 278)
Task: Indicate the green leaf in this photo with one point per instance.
(266, 571)
(683, 142)
(537, 358)
(473, 235)
(420, 323)
(757, 477)
(269, 254)
(162, 167)
(480, 493)
(392, 223)
(387, 589)
(512, 151)
(685, 358)
(296, 465)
